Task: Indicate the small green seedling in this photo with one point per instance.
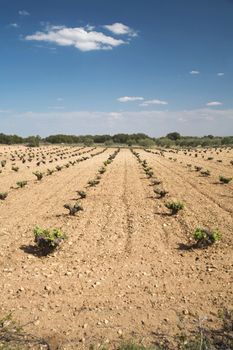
(21, 184)
(73, 209)
(175, 207)
(205, 237)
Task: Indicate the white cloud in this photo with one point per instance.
(120, 29)
(81, 38)
(130, 99)
(193, 72)
(220, 74)
(213, 103)
(24, 13)
(153, 102)
(14, 25)
(152, 122)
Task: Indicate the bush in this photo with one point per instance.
(224, 180)
(73, 209)
(174, 206)
(205, 237)
(3, 163)
(48, 239)
(21, 184)
(15, 168)
(3, 195)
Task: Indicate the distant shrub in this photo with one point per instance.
(59, 168)
(205, 237)
(198, 168)
(15, 168)
(3, 163)
(175, 207)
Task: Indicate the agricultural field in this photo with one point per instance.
(130, 266)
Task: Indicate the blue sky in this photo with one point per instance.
(106, 66)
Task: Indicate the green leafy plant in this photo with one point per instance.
(174, 206)
(38, 175)
(3, 195)
(48, 239)
(225, 180)
(73, 209)
(21, 184)
(205, 237)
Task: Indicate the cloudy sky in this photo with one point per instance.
(106, 66)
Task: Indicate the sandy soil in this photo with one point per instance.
(123, 272)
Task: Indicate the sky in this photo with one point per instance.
(125, 66)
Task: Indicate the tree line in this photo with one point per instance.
(140, 139)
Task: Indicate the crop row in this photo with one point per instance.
(203, 237)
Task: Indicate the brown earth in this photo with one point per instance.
(124, 271)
